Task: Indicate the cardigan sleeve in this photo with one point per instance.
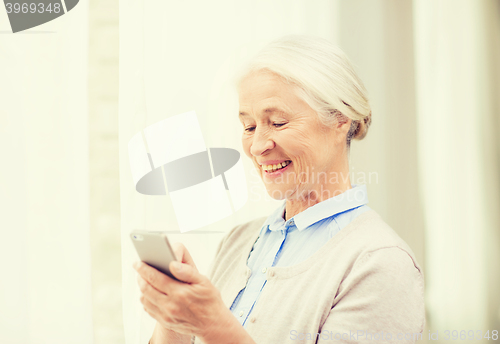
(381, 299)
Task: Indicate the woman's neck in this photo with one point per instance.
(315, 196)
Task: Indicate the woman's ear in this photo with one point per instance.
(340, 127)
(340, 117)
(343, 124)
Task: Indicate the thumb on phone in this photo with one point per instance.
(182, 254)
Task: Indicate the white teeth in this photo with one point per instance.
(273, 168)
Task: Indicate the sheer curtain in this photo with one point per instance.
(44, 249)
(458, 86)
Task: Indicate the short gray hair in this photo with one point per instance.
(325, 77)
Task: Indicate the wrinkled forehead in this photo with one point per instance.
(267, 109)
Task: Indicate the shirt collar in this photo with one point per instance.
(350, 199)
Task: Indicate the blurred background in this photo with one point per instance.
(74, 91)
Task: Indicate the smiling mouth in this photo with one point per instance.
(274, 168)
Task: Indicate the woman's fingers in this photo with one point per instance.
(158, 305)
(149, 290)
(155, 302)
(157, 312)
(152, 299)
(191, 307)
(155, 278)
(150, 307)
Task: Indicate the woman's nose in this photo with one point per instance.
(261, 143)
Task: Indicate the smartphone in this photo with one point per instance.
(154, 249)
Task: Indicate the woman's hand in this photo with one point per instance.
(194, 307)
(165, 335)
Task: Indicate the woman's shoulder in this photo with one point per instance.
(369, 233)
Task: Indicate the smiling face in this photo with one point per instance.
(279, 127)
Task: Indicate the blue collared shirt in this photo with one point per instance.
(285, 243)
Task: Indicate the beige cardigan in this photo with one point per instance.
(363, 285)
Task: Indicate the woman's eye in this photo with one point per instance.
(276, 125)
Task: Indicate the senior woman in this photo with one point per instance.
(323, 266)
